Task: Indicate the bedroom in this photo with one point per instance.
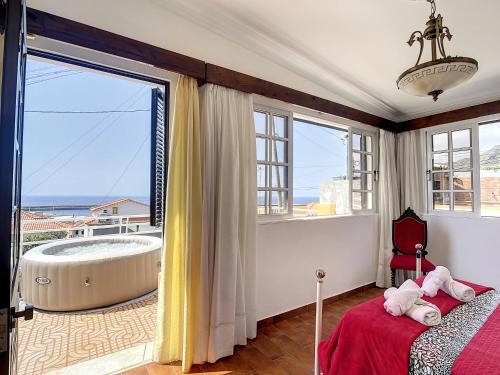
(323, 76)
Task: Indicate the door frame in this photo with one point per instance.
(9, 263)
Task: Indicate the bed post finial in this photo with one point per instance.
(320, 275)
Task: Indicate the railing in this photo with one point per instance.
(125, 224)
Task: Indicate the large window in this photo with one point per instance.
(272, 131)
(451, 173)
(309, 167)
(489, 156)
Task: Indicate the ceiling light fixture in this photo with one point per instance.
(440, 74)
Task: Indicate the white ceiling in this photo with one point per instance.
(357, 48)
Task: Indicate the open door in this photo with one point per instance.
(11, 132)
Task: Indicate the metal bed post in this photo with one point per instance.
(320, 275)
(418, 268)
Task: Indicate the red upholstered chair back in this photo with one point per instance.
(407, 231)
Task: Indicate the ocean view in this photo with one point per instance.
(48, 201)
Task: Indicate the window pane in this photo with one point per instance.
(489, 155)
(279, 126)
(356, 200)
(369, 181)
(356, 161)
(462, 159)
(261, 203)
(261, 149)
(320, 184)
(441, 181)
(462, 180)
(368, 200)
(463, 201)
(279, 177)
(259, 119)
(440, 142)
(461, 138)
(279, 202)
(367, 163)
(356, 181)
(368, 143)
(440, 161)
(441, 201)
(356, 141)
(278, 152)
(261, 175)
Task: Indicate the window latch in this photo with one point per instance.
(375, 176)
(428, 173)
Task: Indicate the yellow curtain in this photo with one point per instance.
(180, 284)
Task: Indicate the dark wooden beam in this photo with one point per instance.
(467, 113)
(65, 30)
(242, 82)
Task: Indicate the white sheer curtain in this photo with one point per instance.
(389, 208)
(411, 170)
(229, 222)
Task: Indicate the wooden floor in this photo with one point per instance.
(284, 348)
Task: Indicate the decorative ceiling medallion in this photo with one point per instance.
(440, 74)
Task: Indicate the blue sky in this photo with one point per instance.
(319, 153)
(90, 154)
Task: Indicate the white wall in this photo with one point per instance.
(468, 246)
(289, 252)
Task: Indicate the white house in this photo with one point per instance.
(121, 207)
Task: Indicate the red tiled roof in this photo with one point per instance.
(32, 221)
(45, 225)
(28, 215)
(117, 202)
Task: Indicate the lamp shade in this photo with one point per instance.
(435, 77)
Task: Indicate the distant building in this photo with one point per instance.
(121, 207)
(334, 196)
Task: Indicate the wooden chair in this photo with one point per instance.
(409, 234)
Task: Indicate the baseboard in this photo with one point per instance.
(290, 314)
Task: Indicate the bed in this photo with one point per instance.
(370, 341)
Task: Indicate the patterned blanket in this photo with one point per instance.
(435, 351)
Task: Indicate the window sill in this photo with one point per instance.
(453, 214)
(461, 215)
(288, 219)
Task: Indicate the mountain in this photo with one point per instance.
(490, 159)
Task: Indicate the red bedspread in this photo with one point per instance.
(368, 340)
(482, 354)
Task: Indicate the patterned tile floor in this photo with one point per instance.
(53, 341)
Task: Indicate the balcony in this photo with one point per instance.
(64, 342)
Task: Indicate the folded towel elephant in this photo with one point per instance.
(421, 311)
(398, 301)
(441, 278)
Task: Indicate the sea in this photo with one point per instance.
(48, 202)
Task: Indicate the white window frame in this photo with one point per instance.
(473, 125)
(295, 112)
(374, 153)
(288, 164)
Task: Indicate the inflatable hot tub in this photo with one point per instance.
(88, 273)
